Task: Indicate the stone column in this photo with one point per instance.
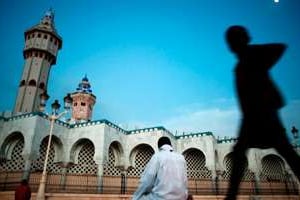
(100, 174)
(123, 181)
(26, 169)
(29, 154)
(214, 181)
(218, 175)
(64, 169)
(256, 182)
(27, 165)
(254, 161)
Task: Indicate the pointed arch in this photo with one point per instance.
(139, 157)
(82, 155)
(56, 150)
(196, 163)
(227, 162)
(114, 163)
(11, 152)
(272, 168)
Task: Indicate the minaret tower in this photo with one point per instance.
(41, 47)
(83, 102)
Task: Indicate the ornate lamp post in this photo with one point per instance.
(54, 116)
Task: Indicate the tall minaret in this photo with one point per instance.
(41, 47)
(83, 102)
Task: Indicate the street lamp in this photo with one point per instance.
(54, 116)
(43, 99)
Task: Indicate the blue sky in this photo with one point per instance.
(157, 62)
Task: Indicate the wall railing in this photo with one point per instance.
(88, 184)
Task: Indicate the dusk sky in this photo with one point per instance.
(157, 62)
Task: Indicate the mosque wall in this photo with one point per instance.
(104, 135)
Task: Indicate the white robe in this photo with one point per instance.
(164, 178)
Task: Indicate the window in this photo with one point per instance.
(46, 37)
(75, 104)
(22, 83)
(51, 39)
(82, 104)
(39, 35)
(42, 85)
(32, 82)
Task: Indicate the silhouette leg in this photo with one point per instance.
(283, 146)
(238, 166)
(285, 149)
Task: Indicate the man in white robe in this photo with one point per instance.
(165, 176)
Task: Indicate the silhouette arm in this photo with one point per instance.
(270, 53)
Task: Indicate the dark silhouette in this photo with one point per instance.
(23, 191)
(259, 101)
(190, 197)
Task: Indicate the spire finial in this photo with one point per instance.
(84, 85)
(49, 16)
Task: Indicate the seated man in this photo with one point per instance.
(165, 176)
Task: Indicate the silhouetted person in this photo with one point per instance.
(259, 101)
(23, 191)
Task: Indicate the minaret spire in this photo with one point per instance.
(83, 101)
(42, 44)
(48, 17)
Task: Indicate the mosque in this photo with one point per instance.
(97, 156)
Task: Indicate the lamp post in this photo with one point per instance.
(54, 116)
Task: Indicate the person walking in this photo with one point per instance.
(260, 101)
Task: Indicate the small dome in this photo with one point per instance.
(84, 85)
(85, 79)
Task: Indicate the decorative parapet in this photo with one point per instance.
(226, 140)
(25, 115)
(151, 129)
(97, 122)
(108, 123)
(193, 135)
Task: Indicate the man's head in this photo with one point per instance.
(237, 38)
(162, 141)
(24, 182)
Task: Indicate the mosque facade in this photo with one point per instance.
(98, 155)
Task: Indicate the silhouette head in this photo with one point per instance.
(162, 141)
(237, 38)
